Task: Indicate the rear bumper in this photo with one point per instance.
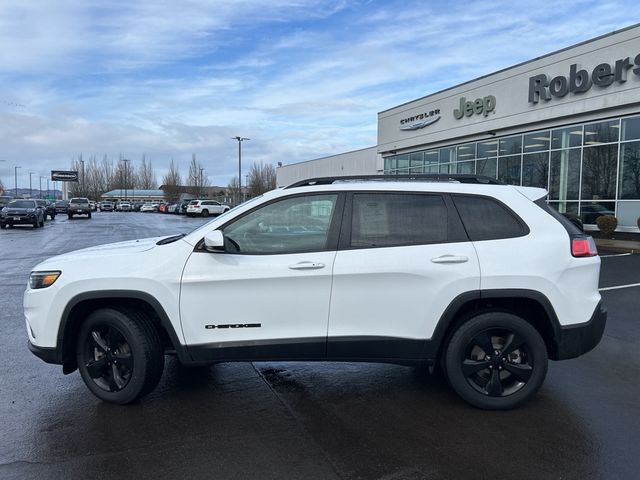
(575, 340)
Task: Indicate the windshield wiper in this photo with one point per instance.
(173, 238)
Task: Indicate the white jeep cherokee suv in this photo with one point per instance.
(204, 208)
(461, 273)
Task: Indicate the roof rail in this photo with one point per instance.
(430, 177)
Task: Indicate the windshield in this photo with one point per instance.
(22, 204)
(79, 200)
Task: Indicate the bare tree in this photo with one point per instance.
(262, 178)
(196, 177)
(171, 182)
(234, 190)
(1, 187)
(146, 177)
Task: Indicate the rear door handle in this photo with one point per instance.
(307, 266)
(450, 259)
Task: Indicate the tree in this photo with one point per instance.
(262, 178)
(1, 187)
(171, 182)
(146, 177)
(196, 178)
(234, 190)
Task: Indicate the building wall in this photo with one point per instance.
(358, 162)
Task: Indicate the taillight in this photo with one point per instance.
(583, 246)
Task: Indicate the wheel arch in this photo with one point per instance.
(532, 306)
(81, 305)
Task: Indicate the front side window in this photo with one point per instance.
(393, 219)
(292, 225)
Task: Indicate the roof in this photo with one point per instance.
(120, 192)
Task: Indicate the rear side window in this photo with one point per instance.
(392, 219)
(486, 219)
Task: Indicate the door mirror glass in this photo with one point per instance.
(214, 241)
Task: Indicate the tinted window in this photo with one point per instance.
(79, 200)
(390, 219)
(486, 219)
(299, 224)
(22, 204)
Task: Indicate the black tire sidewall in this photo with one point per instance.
(464, 334)
(132, 333)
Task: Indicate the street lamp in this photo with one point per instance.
(240, 140)
(30, 192)
(126, 164)
(41, 177)
(82, 184)
(201, 183)
(15, 174)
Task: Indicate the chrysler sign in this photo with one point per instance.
(420, 121)
(64, 176)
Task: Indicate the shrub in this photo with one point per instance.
(607, 224)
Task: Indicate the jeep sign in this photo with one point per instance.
(64, 176)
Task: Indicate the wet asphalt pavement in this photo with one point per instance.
(307, 420)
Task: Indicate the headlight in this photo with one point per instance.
(4, 209)
(43, 279)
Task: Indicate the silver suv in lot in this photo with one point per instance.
(79, 206)
(483, 280)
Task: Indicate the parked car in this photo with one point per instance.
(4, 199)
(182, 207)
(591, 211)
(79, 206)
(124, 207)
(162, 208)
(48, 208)
(172, 208)
(148, 207)
(204, 208)
(62, 206)
(92, 205)
(22, 212)
(106, 207)
(417, 272)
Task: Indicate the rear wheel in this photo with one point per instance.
(205, 213)
(120, 355)
(496, 361)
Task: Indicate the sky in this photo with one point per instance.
(302, 79)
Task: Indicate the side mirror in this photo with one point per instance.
(214, 241)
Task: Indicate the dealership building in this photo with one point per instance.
(568, 122)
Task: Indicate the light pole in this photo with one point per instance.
(15, 174)
(48, 187)
(240, 140)
(201, 183)
(126, 165)
(82, 184)
(41, 177)
(30, 192)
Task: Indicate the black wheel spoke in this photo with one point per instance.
(117, 378)
(521, 371)
(125, 360)
(99, 341)
(514, 341)
(494, 386)
(96, 368)
(470, 367)
(483, 340)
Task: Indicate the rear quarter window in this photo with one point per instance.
(485, 218)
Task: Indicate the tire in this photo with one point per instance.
(3, 225)
(53, 217)
(138, 358)
(205, 213)
(70, 216)
(89, 214)
(42, 223)
(36, 223)
(485, 369)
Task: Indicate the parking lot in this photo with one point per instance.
(307, 420)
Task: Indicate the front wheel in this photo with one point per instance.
(120, 355)
(496, 361)
(89, 214)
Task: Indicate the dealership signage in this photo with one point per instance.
(64, 176)
(580, 81)
(421, 120)
(480, 106)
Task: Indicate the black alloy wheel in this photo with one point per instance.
(119, 354)
(205, 213)
(496, 361)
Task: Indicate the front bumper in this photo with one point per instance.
(18, 220)
(49, 355)
(575, 340)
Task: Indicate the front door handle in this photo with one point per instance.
(450, 259)
(307, 266)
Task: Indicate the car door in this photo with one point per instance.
(403, 257)
(266, 295)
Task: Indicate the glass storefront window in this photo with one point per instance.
(566, 137)
(431, 169)
(389, 164)
(416, 162)
(565, 207)
(564, 181)
(487, 149)
(589, 211)
(599, 169)
(536, 142)
(628, 214)
(511, 145)
(431, 157)
(466, 152)
(535, 170)
(446, 168)
(509, 169)
(603, 132)
(447, 155)
(468, 168)
(629, 183)
(403, 164)
(487, 167)
(631, 128)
